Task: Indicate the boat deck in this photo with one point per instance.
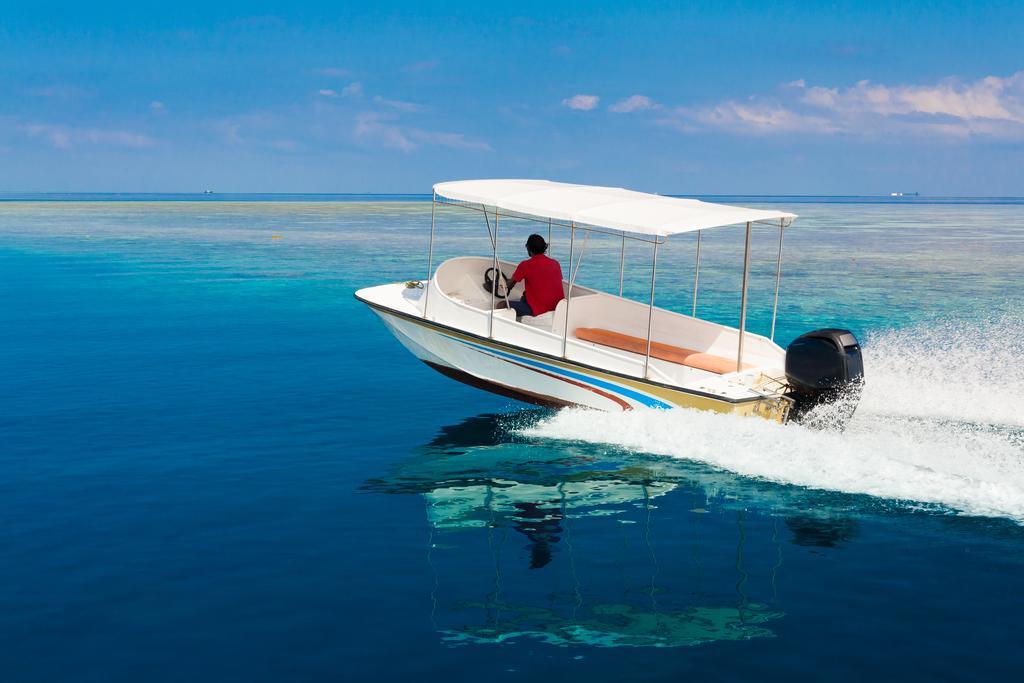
(668, 352)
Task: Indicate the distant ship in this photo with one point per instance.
(904, 194)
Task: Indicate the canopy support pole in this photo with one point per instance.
(778, 277)
(494, 283)
(487, 222)
(430, 254)
(568, 294)
(696, 276)
(650, 310)
(549, 235)
(743, 300)
(622, 262)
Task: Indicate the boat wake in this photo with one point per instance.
(941, 422)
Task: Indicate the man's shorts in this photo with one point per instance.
(521, 307)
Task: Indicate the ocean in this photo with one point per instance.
(217, 465)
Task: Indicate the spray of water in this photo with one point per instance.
(941, 422)
(968, 372)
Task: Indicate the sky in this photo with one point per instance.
(687, 98)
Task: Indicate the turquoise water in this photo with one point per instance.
(217, 465)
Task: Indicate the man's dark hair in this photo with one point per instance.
(535, 244)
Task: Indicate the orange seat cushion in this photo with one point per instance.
(673, 354)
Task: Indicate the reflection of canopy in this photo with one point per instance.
(474, 506)
(622, 625)
(604, 207)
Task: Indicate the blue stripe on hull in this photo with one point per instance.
(640, 398)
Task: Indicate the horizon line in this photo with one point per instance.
(86, 193)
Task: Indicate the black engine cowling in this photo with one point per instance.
(825, 367)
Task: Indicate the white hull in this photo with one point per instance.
(532, 379)
(545, 380)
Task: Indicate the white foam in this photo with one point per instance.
(971, 372)
(939, 423)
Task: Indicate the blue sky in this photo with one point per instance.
(700, 98)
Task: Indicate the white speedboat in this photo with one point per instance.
(601, 350)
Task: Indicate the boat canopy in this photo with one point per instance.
(604, 207)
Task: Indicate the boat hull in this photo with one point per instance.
(544, 380)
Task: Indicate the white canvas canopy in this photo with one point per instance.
(605, 207)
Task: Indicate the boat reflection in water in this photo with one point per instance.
(573, 544)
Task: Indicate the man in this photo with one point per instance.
(543, 277)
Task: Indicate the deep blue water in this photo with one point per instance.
(217, 465)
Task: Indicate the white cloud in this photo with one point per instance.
(232, 133)
(157, 105)
(66, 137)
(398, 104)
(372, 127)
(250, 128)
(386, 131)
(632, 104)
(753, 117)
(353, 90)
(582, 102)
(992, 107)
(991, 98)
(452, 140)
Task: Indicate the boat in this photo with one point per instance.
(601, 350)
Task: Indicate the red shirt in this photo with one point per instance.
(543, 278)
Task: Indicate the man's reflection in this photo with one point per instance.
(822, 532)
(542, 524)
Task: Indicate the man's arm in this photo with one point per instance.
(518, 276)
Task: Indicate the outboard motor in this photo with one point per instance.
(824, 368)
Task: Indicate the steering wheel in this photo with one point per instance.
(496, 287)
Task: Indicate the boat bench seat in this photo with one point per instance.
(674, 354)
